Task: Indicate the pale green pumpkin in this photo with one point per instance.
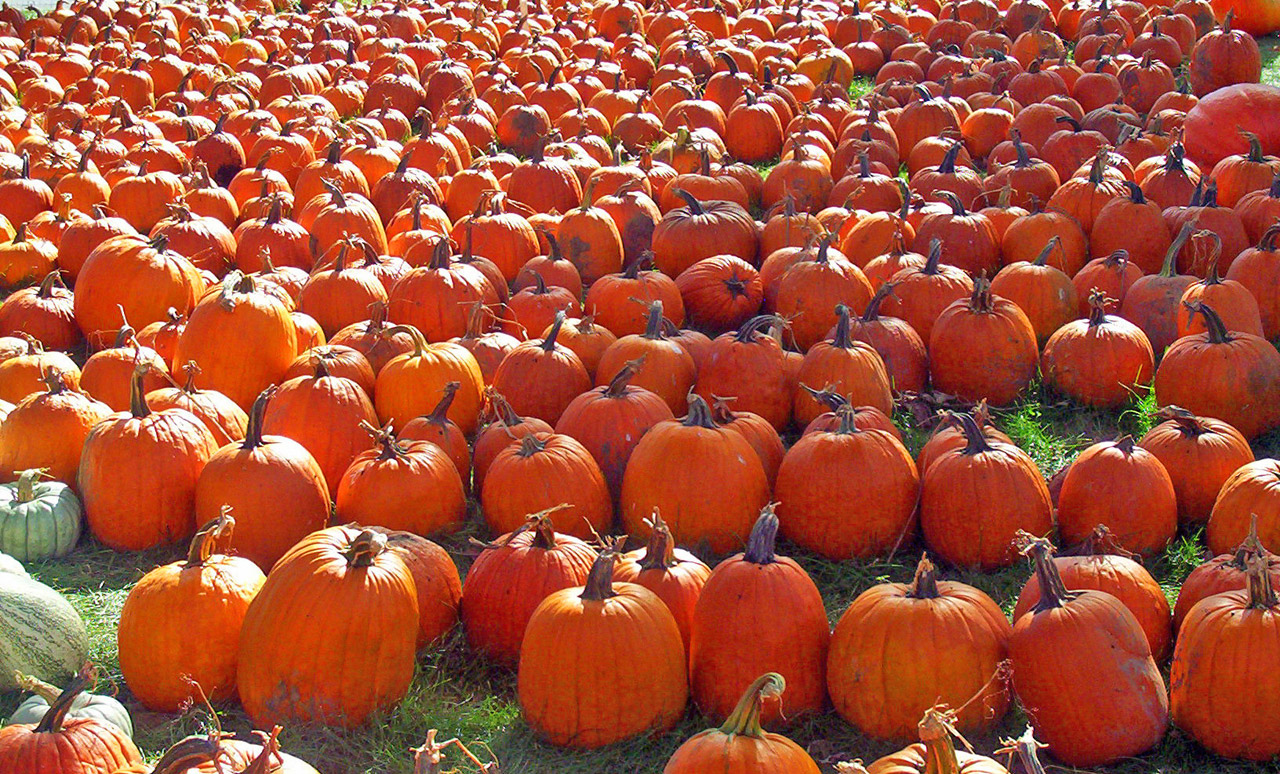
(86, 705)
(38, 519)
(12, 566)
(41, 634)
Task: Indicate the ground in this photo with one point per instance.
(461, 696)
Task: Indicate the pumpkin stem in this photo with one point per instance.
(1098, 307)
(1218, 333)
(872, 312)
(957, 207)
(699, 414)
(549, 343)
(618, 384)
(1168, 268)
(764, 534)
(653, 326)
(420, 344)
(440, 414)
(976, 442)
(1027, 749)
(1262, 595)
(599, 584)
(253, 431)
(203, 544)
(745, 718)
(365, 548)
(841, 337)
(695, 207)
(530, 445)
(35, 685)
(982, 301)
(1053, 592)
(933, 260)
(925, 583)
(1043, 258)
(137, 394)
(938, 733)
(52, 721)
(660, 551)
(27, 484)
(749, 329)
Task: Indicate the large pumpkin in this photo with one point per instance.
(705, 479)
(1224, 572)
(274, 485)
(1229, 645)
(983, 348)
(1083, 672)
(759, 612)
(675, 575)
(138, 474)
(901, 648)
(601, 663)
(180, 625)
(1253, 491)
(1211, 128)
(409, 384)
(401, 485)
(741, 745)
(46, 430)
(1124, 487)
(338, 584)
(1200, 454)
(547, 471)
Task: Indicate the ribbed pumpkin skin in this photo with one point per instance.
(274, 486)
(410, 486)
(410, 384)
(1199, 454)
(902, 648)
(675, 575)
(706, 481)
(242, 338)
(1123, 487)
(38, 519)
(759, 613)
(542, 472)
(80, 747)
(597, 671)
(1101, 362)
(314, 597)
(1084, 673)
(818, 492)
(48, 430)
(983, 348)
(223, 416)
(510, 579)
(974, 500)
(1226, 672)
(1253, 490)
(324, 414)
(138, 477)
(1122, 578)
(181, 623)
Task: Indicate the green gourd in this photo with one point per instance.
(38, 519)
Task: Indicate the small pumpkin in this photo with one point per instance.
(39, 520)
(1200, 454)
(101, 707)
(62, 745)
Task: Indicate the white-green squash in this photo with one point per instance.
(87, 705)
(10, 565)
(38, 519)
(40, 633)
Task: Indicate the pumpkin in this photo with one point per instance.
(809, 288)
(1210, 128)
(921, 293)
(99, 707)
(701, 230)
(223, 416)
(706, 480)
(721, 292)
(106, 374)
(408, 383)
(46, 312)
(436, 294)
(538, 473)
(62, 745)
(935, 752)
(242, 337)
(815, 491)
(1043, 292)
(1124, 487)
(1103, 361)
(364, 590)
(906, 359)
(1104, 565)
(764, 439)
(180, 625)
(1228, 644)
(46, 430)
(901, 647)
(665, 368)
(500, 428)
(674, 574)
(138, 474)
(1222, 573)
(741, 745)
(511, 577)
(323, 413)
(1234, 377)
(589, 641)
(540, 377)
(143, 277)
(1152, 301)
(750, 366)
(41, 634)
(1200, 454)
(986, 476)
(1112, 275)
(1249, 492)
(983, 348)
(1255, 269)
(213, 753)
(1083, 671)
(39, 520)
(609, 421)
(732, 636)
(436, 579)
